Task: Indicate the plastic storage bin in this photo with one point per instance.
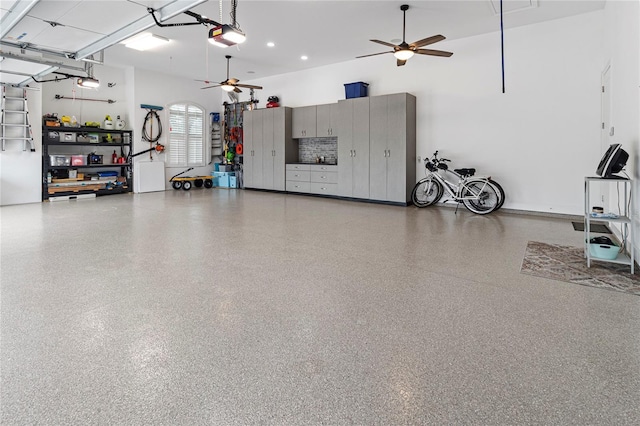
(604, 251)
(233, 182)
(60, 160)
(356, 90)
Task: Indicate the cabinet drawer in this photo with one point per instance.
(324, 188)
(298, 167)
(295, 186)
(324, 177)
(323, 168)
(298, 175)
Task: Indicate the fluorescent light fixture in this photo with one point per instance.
(226, 35)
(145, 41)
(227, 87)
(403, 54)
(88, 83)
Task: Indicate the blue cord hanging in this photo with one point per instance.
(502, 45)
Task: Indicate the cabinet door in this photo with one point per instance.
(257, 148)
(360, 147)
(279, 148)
(396, 176)
(304, 122)
(248, 148)
(345, 149)
(380, 133)
(323, 120)
(267, 148)
(334, 114)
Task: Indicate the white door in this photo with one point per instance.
(606, 136)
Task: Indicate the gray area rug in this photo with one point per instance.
(565, 263)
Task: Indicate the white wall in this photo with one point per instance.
(538, 140)
(622, 47)
(21, 171)
(154, 88)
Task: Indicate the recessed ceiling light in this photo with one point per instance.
(271, 44)
(145, 41)
(251, 72)
(304, 57)
(396, 41)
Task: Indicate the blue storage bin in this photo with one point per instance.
(233, 182)
(604, 251)
(223, 181)
(356, 90)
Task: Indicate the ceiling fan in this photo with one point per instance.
(404, 51)
(231, 84)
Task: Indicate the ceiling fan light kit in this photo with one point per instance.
(232, 84)
(404, 50)
(403, 54)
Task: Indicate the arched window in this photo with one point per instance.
(186, 135)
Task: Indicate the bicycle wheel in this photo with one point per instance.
(481, 197)
(426, 192)
(501, 191)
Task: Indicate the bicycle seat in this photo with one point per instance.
(465, 172)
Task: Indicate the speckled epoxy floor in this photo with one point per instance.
(220, 307)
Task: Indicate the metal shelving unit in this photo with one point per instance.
(623, 219)
(52, 146)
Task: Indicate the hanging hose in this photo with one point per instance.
(151, 115)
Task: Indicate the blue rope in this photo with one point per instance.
(502, 44)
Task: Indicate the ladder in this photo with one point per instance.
(15, 118)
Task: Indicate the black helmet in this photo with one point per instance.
(273, 99)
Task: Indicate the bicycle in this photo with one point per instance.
(480, 195)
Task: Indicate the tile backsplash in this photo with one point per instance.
(311, 148)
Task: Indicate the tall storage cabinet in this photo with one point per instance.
(267, 139)
(353, 148)
(392, 147)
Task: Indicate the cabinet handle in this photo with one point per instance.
(389, 151)
(323, 177)
(354, 152)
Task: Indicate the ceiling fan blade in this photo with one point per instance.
(249, 86)
(400, 62)
(373, 54)
(427, 41)
(237, 90)
(205, 81)
(384, 43)
(232, 81)
(211, 87)
(433, 52)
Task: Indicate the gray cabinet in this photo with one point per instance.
(267, 142)
(304, 122)
(327, 120)
(353, 148)
(392, 147)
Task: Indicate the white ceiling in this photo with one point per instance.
(326, 31)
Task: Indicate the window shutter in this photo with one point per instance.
(186, 135)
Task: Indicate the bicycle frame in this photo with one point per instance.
(455, 190)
